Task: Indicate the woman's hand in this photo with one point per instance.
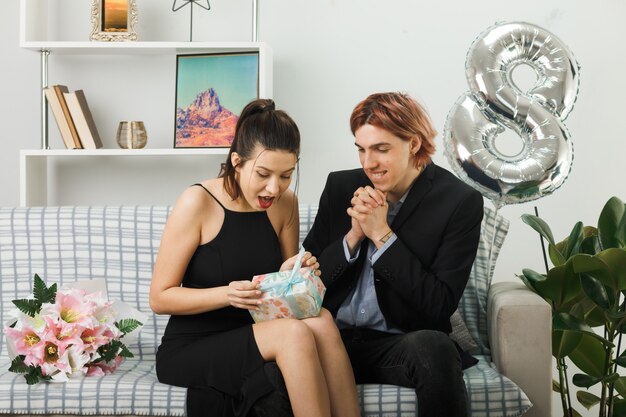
(308, 261)
(244, 294)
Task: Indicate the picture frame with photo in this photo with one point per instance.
(113, 20)
(211, 91)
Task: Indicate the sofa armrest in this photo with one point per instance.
(520, 336)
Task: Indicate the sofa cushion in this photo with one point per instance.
(132, 389)
(489, 393)
(473, 304)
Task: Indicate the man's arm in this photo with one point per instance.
(434, 292)
(320, 240)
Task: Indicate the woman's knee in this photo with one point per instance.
(276, 336)
(323, 325)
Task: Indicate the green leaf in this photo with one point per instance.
(530, 285)
(556, 256)
(595, 266)
(572, 413)
(533, 276)
(561, 285)
(42, 293)
(109, 351)
(615, 259)
(31, 378)
(587, 399)
(28, 306)
(563, 321)
(564, 342)
(35, 375)
(590, 245)
(128, 325)
(621, 231)
(125, 353)
(574, 240)
(594, 289)
(18, 366)
(589, 356)
(608, 223)
(620, 386)
(621, 361)
(619, 407)
(584, 380)
(539, 226)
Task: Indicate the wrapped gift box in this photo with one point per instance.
(289, 295)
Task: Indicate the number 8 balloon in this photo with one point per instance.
(494, 103)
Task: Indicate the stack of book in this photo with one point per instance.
(73, 117)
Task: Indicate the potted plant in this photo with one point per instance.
(586, 288)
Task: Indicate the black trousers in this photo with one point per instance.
(274, 404)
(426, 360)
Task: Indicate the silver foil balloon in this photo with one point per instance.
(494, 103)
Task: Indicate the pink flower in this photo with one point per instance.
(27, 342)
(72, 307)
(102, 368)
(63, 338)
(92, 339)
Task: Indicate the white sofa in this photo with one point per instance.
(510, 325)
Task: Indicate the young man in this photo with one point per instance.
(396, 241)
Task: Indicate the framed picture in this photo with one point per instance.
(211, 92)
(113, 20)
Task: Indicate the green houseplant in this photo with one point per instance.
(586, 288)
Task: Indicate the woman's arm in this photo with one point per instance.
(180, 239)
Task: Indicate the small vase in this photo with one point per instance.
(131, 135)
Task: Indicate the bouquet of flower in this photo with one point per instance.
(72, 331)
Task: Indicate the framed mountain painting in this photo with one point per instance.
(211, 92)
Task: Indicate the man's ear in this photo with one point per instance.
(415, 146)
(235, 160)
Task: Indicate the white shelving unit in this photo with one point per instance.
(34, 167)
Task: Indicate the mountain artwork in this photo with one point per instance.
(205, 123)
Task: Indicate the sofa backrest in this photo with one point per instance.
(120, 244)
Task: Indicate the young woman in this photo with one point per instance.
(220, 234)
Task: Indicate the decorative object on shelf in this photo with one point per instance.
(131, 135)
(73, 331)
(113, 20)
(182, 3)
(495, 103)
(211, 91)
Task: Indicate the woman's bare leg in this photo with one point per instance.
(292, 345)
(336, 366)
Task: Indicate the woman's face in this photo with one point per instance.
(264, 177)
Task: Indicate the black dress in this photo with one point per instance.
(214, 354)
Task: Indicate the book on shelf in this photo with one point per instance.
(83, 120)
(59, 90)
(59, 116)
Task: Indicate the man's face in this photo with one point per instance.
(386, 159)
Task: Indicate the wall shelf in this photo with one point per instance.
(34, 165)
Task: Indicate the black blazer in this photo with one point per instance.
(420, 278)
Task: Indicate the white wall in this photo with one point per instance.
(328, 55)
